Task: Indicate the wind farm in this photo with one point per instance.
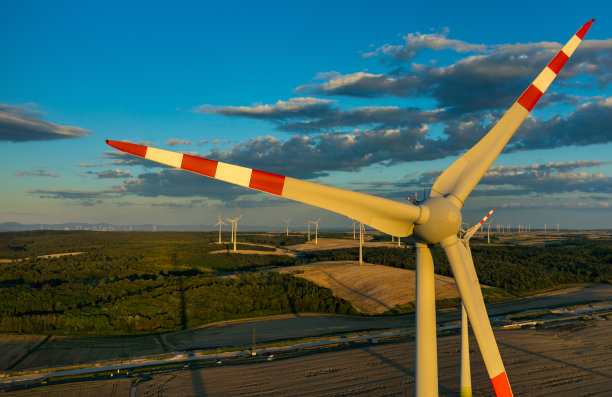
(436, 298)
(436, 220)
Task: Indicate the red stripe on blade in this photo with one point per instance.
(557, 63)
(199, 165)
(583, 30)
(530, 97)
(267, 182)
(137, 150)
(501, 385)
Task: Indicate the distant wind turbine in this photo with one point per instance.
(316, 223)
(234, 223)
(219, 224)
(361, 233)
(287, 221)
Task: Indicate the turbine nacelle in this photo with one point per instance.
(441, 219)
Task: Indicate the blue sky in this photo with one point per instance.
(376, 97)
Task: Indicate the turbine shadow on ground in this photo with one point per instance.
(556, 360)
(360, 293)
(403, 369)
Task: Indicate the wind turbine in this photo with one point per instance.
(489, 231)
(361, 233)
(435, 220)
(220, 223)
(287, 221)
(466, 383)
(316, 223)
(234, 223)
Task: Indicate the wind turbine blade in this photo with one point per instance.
(386, 215)
(475, 228)
(464, 174)
(463, 269)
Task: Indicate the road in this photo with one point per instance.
(295, 327)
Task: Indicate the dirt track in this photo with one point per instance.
(338, 243)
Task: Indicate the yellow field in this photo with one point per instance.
(372, 289)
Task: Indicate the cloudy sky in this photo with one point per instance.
(377, 97)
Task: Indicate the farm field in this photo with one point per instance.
(565, 360)
(61, 350)
(371, 289)
(16, 347)
(239, 333)
(325, 243)
(539, 363)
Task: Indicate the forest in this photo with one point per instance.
(144, 282)
(515, 268)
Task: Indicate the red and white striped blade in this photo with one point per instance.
(467, 281)
(475, 228)
(464, 174)
(386, 215)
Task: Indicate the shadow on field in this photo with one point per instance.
(357, 291)
(405, 370)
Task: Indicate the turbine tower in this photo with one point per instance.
(489, 231)
(287, 221)
(220, 223)
(435, 220)
(361, 232)
(316, 223)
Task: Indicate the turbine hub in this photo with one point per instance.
(444, 220)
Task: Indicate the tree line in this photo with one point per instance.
(514, 268)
